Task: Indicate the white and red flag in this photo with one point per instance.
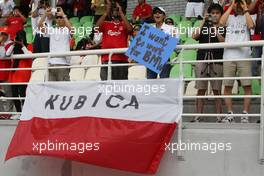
(116, 124)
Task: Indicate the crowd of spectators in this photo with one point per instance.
(231, 21)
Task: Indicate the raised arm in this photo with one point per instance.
(124, 19)
(225, 16)
(104, 16)
(67, 22)
(249, 20)
(197, 32)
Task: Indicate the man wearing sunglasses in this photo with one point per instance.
(59, 42)
(159, 15)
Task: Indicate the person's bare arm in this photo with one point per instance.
(124, 19)
(35, 13)
(249, 20)
(104, 16)
(21, 15)
(196, 34)
(225, 16)
(66, 20)
(252, 5)
(220, 37)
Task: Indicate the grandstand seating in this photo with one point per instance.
(135, 72)
(86, 19)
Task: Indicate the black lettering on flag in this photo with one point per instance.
(96, 100)
(64, 101)
(50, 102)
(133, 102)
(108, 102)
(81, 101)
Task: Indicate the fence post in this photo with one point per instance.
(46, 78)
(179, 153)
(261, 129)
(109, 67)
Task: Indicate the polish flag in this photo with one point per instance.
(122, 125)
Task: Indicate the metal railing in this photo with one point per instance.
(179, 61)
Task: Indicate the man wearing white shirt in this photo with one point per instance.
(59, 43)
(41, 41)
(238, 30)
(6, 7)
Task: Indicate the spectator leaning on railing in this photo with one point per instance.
(19, 46)
(59, 43)
(238, 27)
(115, 35)
(209, 32)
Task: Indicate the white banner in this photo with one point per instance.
(148, 100)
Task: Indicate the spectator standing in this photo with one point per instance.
(116, 29)
(6, 7)
(25, 7)
(142, 12)
(5, 64)
(257, 7)
(79, 7)
(209, 70)
(98, 6)
(259, 35)
(19, 46)
(194, 8)
(41, 41)
(238, 27)
(59, 42)
(15, 22)
(169, 21)
(220, 2)
(33, 4)
(159, 15)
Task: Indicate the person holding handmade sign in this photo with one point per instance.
(115, 34)
(159, 15)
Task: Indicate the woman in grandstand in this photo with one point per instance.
(19, 46)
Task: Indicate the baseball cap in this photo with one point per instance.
(159, 9)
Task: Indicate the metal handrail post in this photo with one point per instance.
(46, 79)
(109, 67)
(261, 129)
(179, 153)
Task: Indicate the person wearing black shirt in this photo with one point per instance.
(209, 32)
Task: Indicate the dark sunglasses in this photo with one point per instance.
(136, 29)
(168, 22)
(59, 17)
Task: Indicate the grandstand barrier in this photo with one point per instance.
(177, 60)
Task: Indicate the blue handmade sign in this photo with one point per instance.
(152, 48)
